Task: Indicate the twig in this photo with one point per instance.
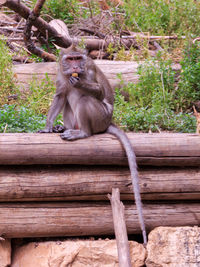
(153, 37)
(14, 39)
(2, 22)
(9, 29)
(98, 34)
(196, 39)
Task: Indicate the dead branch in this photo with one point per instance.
(10, 29)
(95, 33)
(120, 229)
(39, 23)
(143, 36)
(27, 34)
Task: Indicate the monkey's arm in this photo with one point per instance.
(56, 107)
(92, 88)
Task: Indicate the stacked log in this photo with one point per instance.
(51, 187)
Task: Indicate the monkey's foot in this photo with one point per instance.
(72, 134)
(58, 129)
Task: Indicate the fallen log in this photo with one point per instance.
(158, 149)
(25, 72)
(127, 69)
(78, 183)
(86, 219)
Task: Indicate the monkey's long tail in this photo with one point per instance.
(114, 130)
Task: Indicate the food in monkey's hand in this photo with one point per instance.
(74, 74)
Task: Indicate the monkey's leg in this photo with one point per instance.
(91, 116)
(68, 117)
(70, 122)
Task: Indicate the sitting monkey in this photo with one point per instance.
(86, 98)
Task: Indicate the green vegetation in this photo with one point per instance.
(67, 10)
(163, 17)
(25, 113)
(39, 96)
(20, 119)
(157, 102)
(189, 84)
(7, 86)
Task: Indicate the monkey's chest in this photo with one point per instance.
(73, 98)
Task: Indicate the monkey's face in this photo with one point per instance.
(73, 63)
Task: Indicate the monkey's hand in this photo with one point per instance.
(74, 80)
(92, 88)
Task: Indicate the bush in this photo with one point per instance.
(189, 84)
(155, 103)
(20, 119)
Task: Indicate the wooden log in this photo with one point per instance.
(128, 70)
(72, 183)
(159, 149)
(25, 72)
(74, 219)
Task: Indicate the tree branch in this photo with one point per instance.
(27, 34)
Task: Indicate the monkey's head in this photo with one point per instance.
(72, 61)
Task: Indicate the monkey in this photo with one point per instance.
(87, 98)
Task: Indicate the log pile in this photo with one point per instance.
(51, 187)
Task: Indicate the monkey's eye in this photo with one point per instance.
(73, 58)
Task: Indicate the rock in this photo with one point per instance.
(75, 254)
(5, 253)
(174, 247)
